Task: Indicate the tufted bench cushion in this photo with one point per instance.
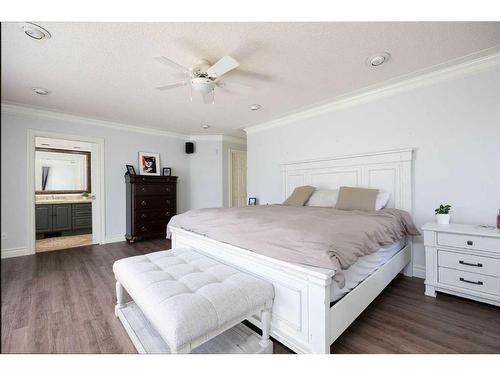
(186, 295)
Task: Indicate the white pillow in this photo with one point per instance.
(382, 200)
(323, 198)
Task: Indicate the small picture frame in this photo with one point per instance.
(252, 201)
(149, 163)
(130, 169)
(166, 171)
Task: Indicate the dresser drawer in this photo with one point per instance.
(470, 263)
(151, 229)
(469, 241)
(144, 216)
(155, 202)
(469, 280)
(154, 189)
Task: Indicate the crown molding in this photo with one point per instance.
(217, 138)
(14, 108)
(455, 68)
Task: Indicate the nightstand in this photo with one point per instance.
(463, 260)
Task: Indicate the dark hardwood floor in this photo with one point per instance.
(63, 301)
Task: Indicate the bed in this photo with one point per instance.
(309, 312)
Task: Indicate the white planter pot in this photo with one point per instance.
(443, 219)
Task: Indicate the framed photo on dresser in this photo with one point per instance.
(149, 163)
(166, 171)
(130, 169)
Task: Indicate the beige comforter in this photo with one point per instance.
(316, 236)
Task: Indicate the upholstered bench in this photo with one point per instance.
(190, 298)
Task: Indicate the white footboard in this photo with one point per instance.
(301, 309)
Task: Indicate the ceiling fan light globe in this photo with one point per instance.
(203, 85)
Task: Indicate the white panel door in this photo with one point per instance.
(238, 180)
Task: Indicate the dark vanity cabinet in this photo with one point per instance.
(63, 217)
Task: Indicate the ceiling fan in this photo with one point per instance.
(201, 77)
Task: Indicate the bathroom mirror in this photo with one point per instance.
(61, 171)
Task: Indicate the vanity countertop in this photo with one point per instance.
(61, 201)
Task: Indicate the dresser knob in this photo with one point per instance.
(470, 243)
(168, 201)
(167, 213)
(144, 203)
(167, 189)
(143, 189)
(144, 229)
(143, 216)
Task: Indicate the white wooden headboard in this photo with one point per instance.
(387, 170)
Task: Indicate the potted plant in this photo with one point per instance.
(443, 214)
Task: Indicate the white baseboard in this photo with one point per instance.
(112, 239)
(15, 252)
(419, 271)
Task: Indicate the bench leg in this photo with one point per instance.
(119, 297)
(265, 318)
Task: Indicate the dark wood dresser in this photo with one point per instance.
(151, 202)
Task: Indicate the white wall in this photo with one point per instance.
(205, 171)
(454, 124)
(121, 147)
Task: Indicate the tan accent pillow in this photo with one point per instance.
(353, 198)
(299, 196)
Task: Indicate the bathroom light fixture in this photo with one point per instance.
(40, 91)
(35, 32)
(254, 107)
(378, 59)
(205, 126)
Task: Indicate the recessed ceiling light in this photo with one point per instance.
(35, 32)
(378, 59)
(205, 126)
(41, 91)
(254, 107)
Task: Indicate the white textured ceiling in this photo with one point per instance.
(106, 70)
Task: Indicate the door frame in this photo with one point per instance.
(231, 151)
(98, 205)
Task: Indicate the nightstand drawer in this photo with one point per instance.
(469, 280)
(466, 241)
(470, 263)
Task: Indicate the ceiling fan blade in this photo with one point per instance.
(208, 98)
(222, 66)
(166, 61)
(172, 85)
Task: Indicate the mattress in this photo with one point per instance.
(364, 267)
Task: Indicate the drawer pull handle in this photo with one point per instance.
(471, 282)
(144, 229)
(470, 243)
(143, 203)
(470, 264)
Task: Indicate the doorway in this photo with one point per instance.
(65, 191)
(237, 178)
